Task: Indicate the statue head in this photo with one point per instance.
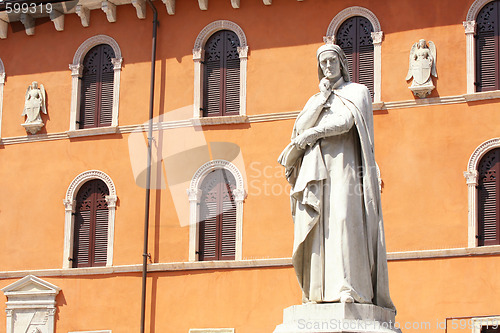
(344, 67)
(422, 44)
(34, 85)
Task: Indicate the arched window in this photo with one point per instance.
(96, 105)
(220, 69)
(91, 225)
(357, 31)
(95, 89)
(488, 47)
(216, 195)
(488, 194)
(217, 217)
(354, 37)
(89, 220)
(221, 75)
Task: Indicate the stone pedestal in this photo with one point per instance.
(33, 128)
(422, 91)
(337, 317)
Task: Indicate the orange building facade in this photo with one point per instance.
(441, 276)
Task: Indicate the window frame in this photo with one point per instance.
(377, 37)
(70, 208)
(470, 31)
(472, 180)
(198, 58)
(2, 81)
(194, 194)
(76, 74)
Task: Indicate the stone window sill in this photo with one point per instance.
(92, 131)
(219, 120)
(478, 96)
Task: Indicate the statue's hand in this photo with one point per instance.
(304, 139)
(325, 87)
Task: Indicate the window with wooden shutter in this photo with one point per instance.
(487, 48)
(91, 225)
(217, 239)
(355, 39)
(221, 89)
(96, 104)
(488, 199)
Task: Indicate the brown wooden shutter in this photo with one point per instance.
(96, 105)
(91, 225)
(354, 37)
(217, 239)
(221, 75)
(488, 199)
(487, 48)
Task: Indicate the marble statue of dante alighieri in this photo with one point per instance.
(339, 247)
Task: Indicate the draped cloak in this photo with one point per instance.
(307, 173)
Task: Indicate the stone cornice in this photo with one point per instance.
(288, 115)
(243, 264)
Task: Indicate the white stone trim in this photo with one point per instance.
(211, 330)
(479, 322)
(471, 176)
(76, 73)
(69, 220)
(198, 54)
(377, 36)
(475, 8)
(32, 296)
(103, 331)
(2, 81)
(194, 195)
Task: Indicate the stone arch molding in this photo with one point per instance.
(194, 193)
(76, 73)
(350, 12)
(472, 177)
(377, 37)
(475, 8)
(70, 205)
(198, 54)
(215, 26)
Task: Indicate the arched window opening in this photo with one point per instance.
(96, 106)
(90, 246)
(488, 47)
(489, 199)
(354, 36)
(222, 75)
(217, 239)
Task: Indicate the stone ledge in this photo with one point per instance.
(92, 131)
(219, 120)
(479, 96)
(242, 264)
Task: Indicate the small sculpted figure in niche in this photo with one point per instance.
(34, 103)
(422, 66)
(339, 250)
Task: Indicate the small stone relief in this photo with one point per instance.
(422, 66)
(34, 103)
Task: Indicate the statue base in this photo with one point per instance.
(338, 317)
(422, 91)
(32, 128)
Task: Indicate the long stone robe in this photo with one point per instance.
(339, 245)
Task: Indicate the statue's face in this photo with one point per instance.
(330, 64)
